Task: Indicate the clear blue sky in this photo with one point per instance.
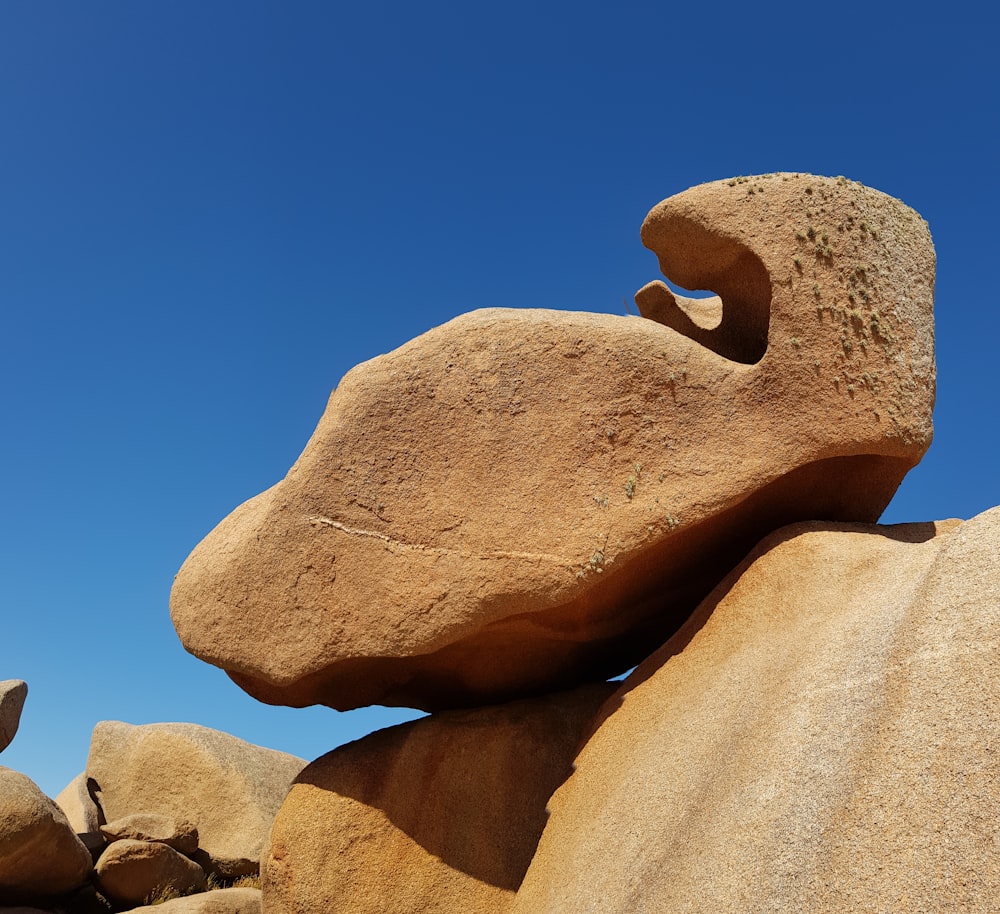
(209, 211)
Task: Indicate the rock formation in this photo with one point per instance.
(84, 815)
(12, 695)
(439, 815)
(820, 736)
(519, 501)
(228, 789)
(223, 901)
(181, 835)
(40, 856)
(131, 872)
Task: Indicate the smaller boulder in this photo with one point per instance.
(12, 695)
(222, 901)
(84, 815)
(180, 834)
(133, 872)
(40, 856)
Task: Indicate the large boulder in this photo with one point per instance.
(523, 499)
(228, 789)
(12, 695)
(40, 856)
(820, 737)
(131, 873)
(439, 815)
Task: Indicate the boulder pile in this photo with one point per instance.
(161, 811)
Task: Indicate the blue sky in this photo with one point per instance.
(210, 211)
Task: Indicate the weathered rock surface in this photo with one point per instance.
(523, 499)
(179, 834)
(221, 901)
(12, 695)
(84, 815)
(439, 815)
(821, 736)
(227, 788)
(40, 857)
(133, 872)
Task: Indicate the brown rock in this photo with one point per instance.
(220, 901)
(132, 872)
(40, 857)
(179, 834)
(439, 815)
(12, 695)
(228, 789)
(820, 737)
(521, 499)
(83, 813)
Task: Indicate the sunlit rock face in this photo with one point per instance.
(520, 500)
(819, 737)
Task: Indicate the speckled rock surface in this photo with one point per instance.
(228, 789)
(820, 738)
(179, 834)
(133, 872)
(436, 816)
(520, 500)
(40, 856)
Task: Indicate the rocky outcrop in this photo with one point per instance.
(523, 499)
(439, 815)
(227, 789)
(40, 856)
(819, 737)
(132, 872)
(12, 695)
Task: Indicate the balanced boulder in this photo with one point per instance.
(439, 815)
(521, 500)
(12, 695)
(228, 789)
(40, 856)
(821, 736)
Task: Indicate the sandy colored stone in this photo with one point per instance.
(228, 789)
(439, 815)
(133, 872)
(12, 695)
(220, 901)
(522, 499)
(83, 813)
(179, 834)
(40, 856)
(821, 738)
